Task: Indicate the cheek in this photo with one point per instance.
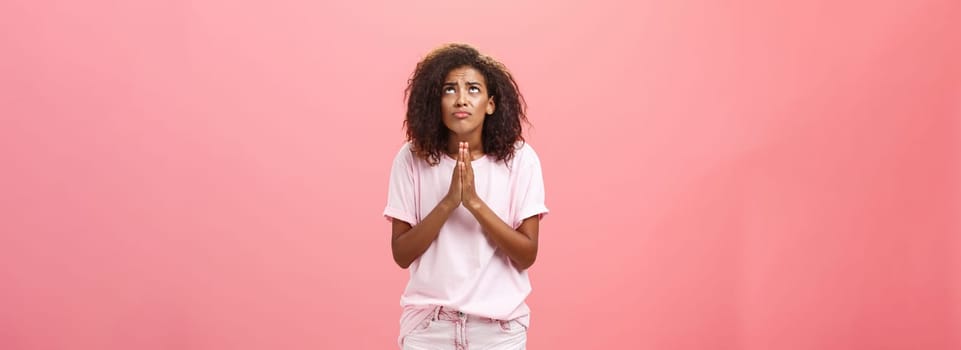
(481, 102)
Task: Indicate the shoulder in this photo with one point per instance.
(524, 152)
(406, 151)
(405, 155)
(524, 156)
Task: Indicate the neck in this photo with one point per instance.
(474, 141)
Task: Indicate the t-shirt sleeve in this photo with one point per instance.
(400, 192)
(530, 188)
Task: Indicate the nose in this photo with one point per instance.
(461, 99)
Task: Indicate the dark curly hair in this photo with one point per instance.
(425, 126)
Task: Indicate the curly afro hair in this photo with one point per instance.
(425, 127)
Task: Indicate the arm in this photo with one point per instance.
(520, 245)
(409, 242)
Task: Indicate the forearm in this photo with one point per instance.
(409, 245)
(519, 247)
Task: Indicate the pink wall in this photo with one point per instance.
(722, 175)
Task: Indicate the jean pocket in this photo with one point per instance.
(512, 326)
(423, 326)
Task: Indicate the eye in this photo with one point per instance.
(448, 90)
(474, 89)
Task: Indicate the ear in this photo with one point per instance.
(490, 105)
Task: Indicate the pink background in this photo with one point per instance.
(721, 174)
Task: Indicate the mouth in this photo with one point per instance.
(461, 115)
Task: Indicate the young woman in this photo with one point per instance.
(465, 199)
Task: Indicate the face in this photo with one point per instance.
(465, 101)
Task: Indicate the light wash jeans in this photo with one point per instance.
(449, 329)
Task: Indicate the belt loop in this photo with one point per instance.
(436, 313)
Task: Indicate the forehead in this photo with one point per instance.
(465, 74)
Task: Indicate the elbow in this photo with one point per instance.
(402, 264)
(401, 261)
(527, 256)
(525, 263)
(399, 258)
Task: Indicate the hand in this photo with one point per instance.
(466, 173)
(453, 197)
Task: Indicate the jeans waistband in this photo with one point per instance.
(450, 314)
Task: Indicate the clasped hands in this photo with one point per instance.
(462, 191)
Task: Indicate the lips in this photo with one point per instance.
(461, 115)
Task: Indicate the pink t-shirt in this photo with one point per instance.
(462, 269)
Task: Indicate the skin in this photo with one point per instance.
(465, 104)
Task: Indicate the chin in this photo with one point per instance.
(460, 129)
(456, 132)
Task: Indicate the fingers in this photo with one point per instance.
(468, 178)
(456, 175)
(464, 158)
(469, 166)
(461, 161)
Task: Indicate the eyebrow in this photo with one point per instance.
(471, 83)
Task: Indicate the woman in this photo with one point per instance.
(465, 200)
